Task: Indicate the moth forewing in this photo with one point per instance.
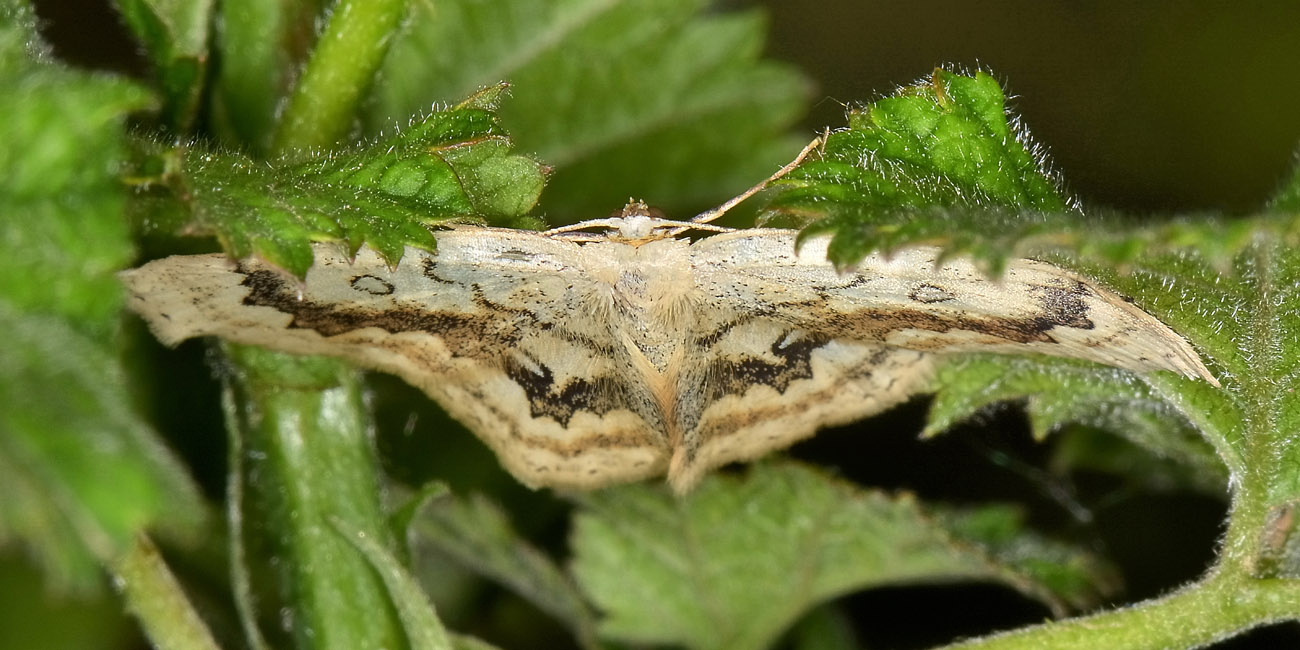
(602, 360)
(801, 346)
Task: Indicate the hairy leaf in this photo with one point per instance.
(1228, 285)
(937, 164)
(1233, 289)
(943, 148)
(943, 162)
(1058, 392)
(64, 237)
(80, 471)
(683, 570)
(455, 164)
(646, 98)
(1245, 322)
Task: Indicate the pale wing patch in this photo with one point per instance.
(585, 363)
(908, 300)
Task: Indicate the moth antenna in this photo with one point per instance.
(710, 215)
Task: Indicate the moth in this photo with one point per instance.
(586, 359)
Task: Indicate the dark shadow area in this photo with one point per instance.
(914, 618)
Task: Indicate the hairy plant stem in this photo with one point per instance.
(157, 600)
(352, 47)
(1217, 607)
(262, 45)
(306, 461)
(1230, 599)
(1227, 601)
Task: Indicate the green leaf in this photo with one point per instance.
(477, 534)
(683, 571)
(1245, 320)
(945, 143)
(81, 472)
(1232, 317)
(64, 237)
(1229, 286)
(647, 98)
(1058, 392)
(1080, 447)
(943, 163)
(937, 164)
(453, 164)
(174, 34)
(1063, 577)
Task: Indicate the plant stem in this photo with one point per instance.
(341, 68)
(307, 460)
(1228, 600)
(157, 600)
(424, 630)
(300, 424)
(1217, 607)
(261, 46)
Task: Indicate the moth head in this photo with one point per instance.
(635, 224)
(639, 223)
(638, 208)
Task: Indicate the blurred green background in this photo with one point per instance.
(1145, 107)
(1152, 106)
